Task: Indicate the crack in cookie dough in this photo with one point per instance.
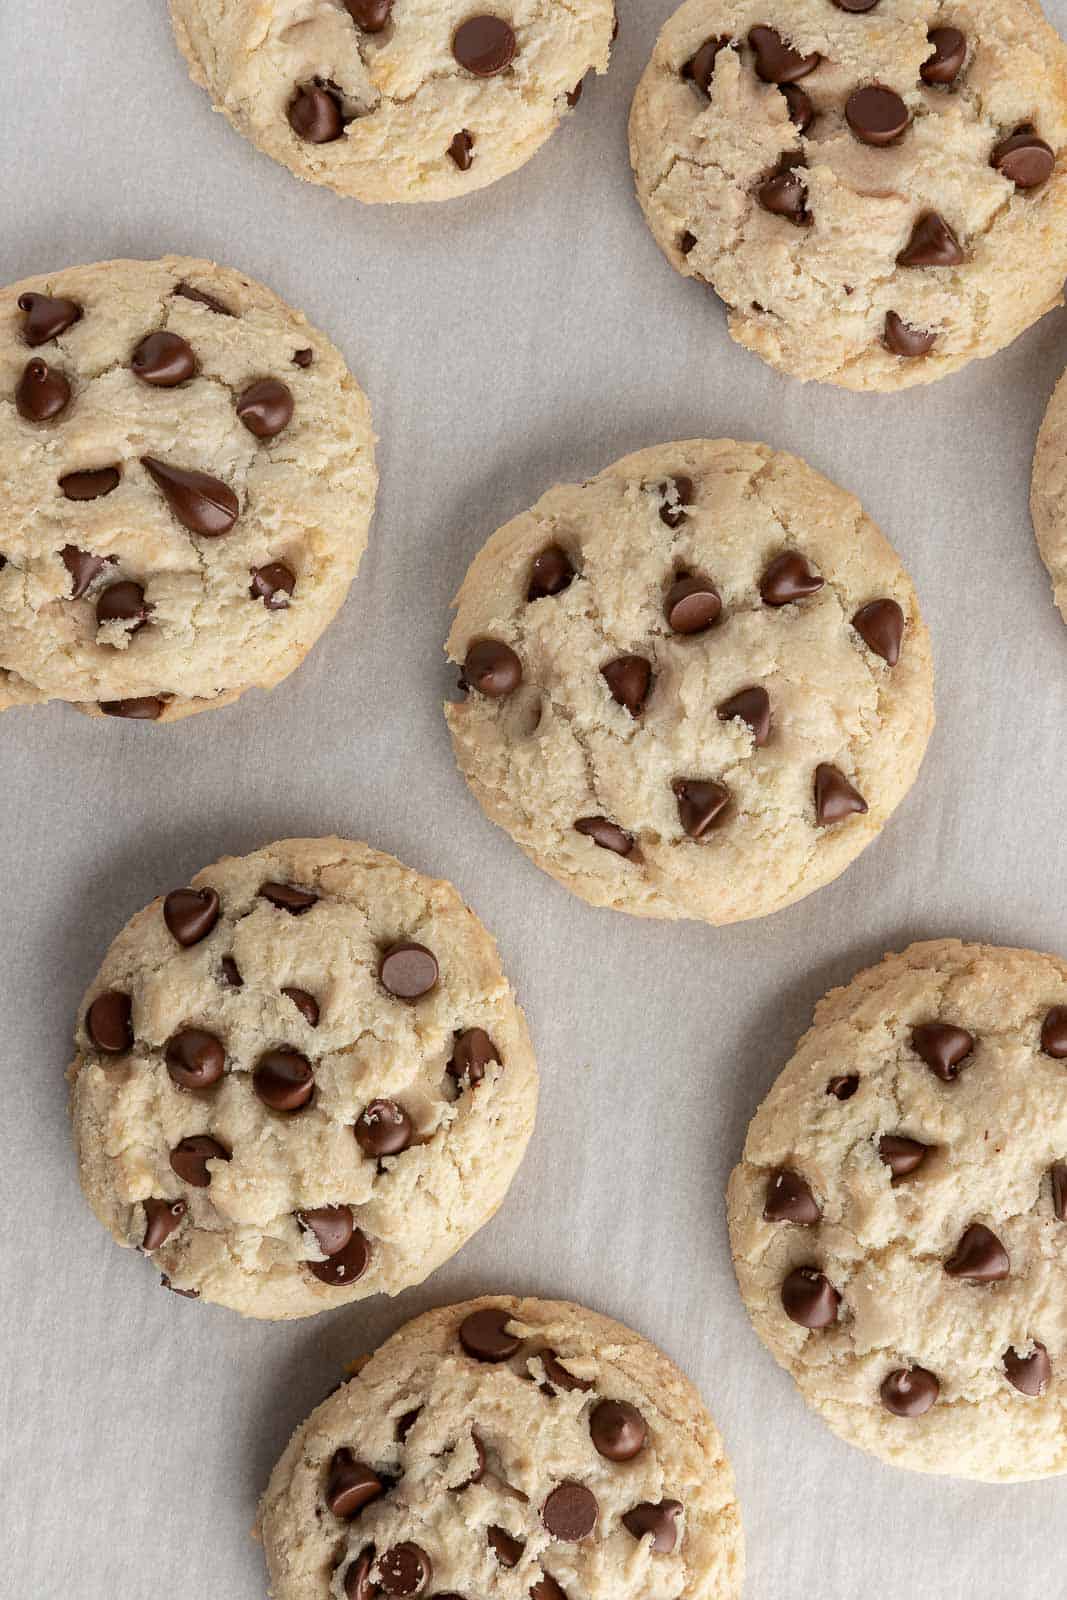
(179, 1039)
(550, 744)
(507, 1447)
(949, 1264)
(812, 276)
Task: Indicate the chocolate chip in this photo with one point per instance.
(42, 392)
(383, 1129)
(1029, 1374)
(90, 485)
(575, 94)
(943, 1047)
(370, 15)
(552, 573)
(700, 68)
(492, 668)
(123, 602)
(775, 61)
(306, 1004)
(163, 360)
(909, 1391)
(287, 897)
(608, 835)
(561, 1378)
(273, 584)
(265, 407)
(472, 1053)
(507, 1550)
(546, 1588)
(315, 114)
(345, 1266)
(479, 1469)
(809, 1298)
(406, 1569)
(835, 797)
(408, 971)
(752, 706)
(46, 317)
(1054, 1033)
(855, 7)
(880, 624)
(195, 1058)
(932, 244)
(789, 1199)
(570, 1512)
(461, 150)
(161, 1218)
(902, 1156)
(331, 1226)
(485, 45)
(702, 805)
(201, 503)
(405, 1423)
(357, 1582)
(617, 1429)
(843, 1087)
(686, 242)
(979, 1257)
(83, 567)
(483, 1335)
(351, 1485)
(801, 110)
(876, 115)
(903, 339)
(190, 1158)
(186, 292)
(789, 577)
(283, 1079)
(186, 1294)
(1024, 159)
(142, 708)
(692, 605)
(629, 678)
(1058, 1176)
(661, 1521)
(108, 1022)
(677, 493)
(190, 914)
(950, 52)
(785, 193)
(231, 975)
(303, 358)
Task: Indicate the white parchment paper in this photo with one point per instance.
(530, 335)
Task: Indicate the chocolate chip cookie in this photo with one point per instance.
(1048, 493)
(186, 482)
(899, 1216)
(387, 100)
(525, 1449)
(695, 686)
(301, 1080)
(876, 188)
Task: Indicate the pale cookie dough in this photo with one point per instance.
(186, 483)
(899, 1217)
(1048, 493)
(876, 188)
(395, 100)
(698, 684)
(301, 1081)
(514, 1448)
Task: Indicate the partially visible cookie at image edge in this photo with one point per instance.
(1048, 493)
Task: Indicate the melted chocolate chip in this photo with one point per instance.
(932, 244)
(617, 1429)
(108, 1022)
(201, 503)
(195, 1058)
(629, 678)
(161, 1217)
(909, 1392)
(789, 1199)
(273, 584)
(751, 706)
(809, 1298)
(265, 407)
(42, 392)
(408, 971)
(608, 835)
(163, 360)
(345, 1266)
(287, 897)
(835, 797)
(552, 573)
(189, 1159)
(484, 45)
(943, 1047)
(383, 1129)
(473, 1052)
(483, 1335)
(692, 605)
(702, 805)
(979, 1257)
(190, 914)
(46, 317)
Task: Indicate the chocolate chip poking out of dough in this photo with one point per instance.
(306, 1004)
(472, 1053)
(617, 1429)
(484, 45)
(383, 1129)
(345, 1266)
(979, 1257)
(357, 1583)
(331, 1227)
(903, 339)
(303, 358)
(855, 7)
(700, 68)
(789, 1199)
(186, 1294)
(932, 244)
(461, 150)
(200, 297)
(370, 15)
(608, 835)
(266, 407)
(484, 1336)
(408, 971)
(629, 678)
(351, 1485)
(552, 573)
(789, 577)
(190, 1157)
(92, 485)
(560, 1377)
(943, 1047)
(677, 494)
(902, 1156)
(784, 192)
(140, 708)
(876, 115)
(83, 567)
(751, 706)
(161, 1218)
(284, 1080)
(835, 797)
(287, 897)
(190, 914)
(909, 1391)
(661, 1521)
(46, 317)
(406, 1569)
(108, 1022)
(1058, 1178)
(809, 1298)
(687, 242)
(702, 805)
(1029, 1374)
(163, 360)
(195, 1058)
(273, 584)
(1054, 1033)
(950, 52)
(777, 62)
(880, 624)
(843, 1087)
(123, 602)
(202, 504)
(546, 1588)
(42, 392)
(507, 1549)
(801, 110)
(492, 668)
(314, 114)
(570, 1513)
(1024, 159)
(692, 605)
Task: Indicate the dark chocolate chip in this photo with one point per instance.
(357, 1581)
(692, 605)
(161, 1217)
(92, 485)
(700, 68)
(902, 1156)
(315, 114)
(1029, 1374)
(507, 1550)
(484, 45)
(163, 360)
(784, 192)
(789, 1199)
(303, 358)
(909, 1391)
(195, 1058)
(231, 975)
(1054, 1033)
(108, 1022)
(123, 602)
(346, 1266)
(472, 1053)
(287, 897)
(408, 971)
(904, 339)
(617, 1429)
(203, 504)
(331, 1227)
(461, 150)
(661, 1521)
(1024, 159)
(686, 242)
(880, 624)
(979, 1257)
(801, 110)
(752, 706)
(789, 577)
(83, 567)
(560, 1377)
(608, 835)
(552, 572)
(405, 1423)
(284, 1080)
(370, 15)
(383, 1129)
(876, 115)
(42, 392)
(776, 62)
(351, 1485)
(570, 1513)
(265, 407)
(575, 94)
(546, 1588)
(185, 291)
(46, 317)
(141, 708)
(190, 914)
(835, 797)
(190, 1158)
(186, 1294)
(702, 804)
(273, 584)
(844, 1086)
(932, 244)
(855, 7)
(677, 493)
(306, 1004)
(492, 668)
(629, 679)
(479, 1469)
(406, 1569)
(809, 1298)
(943, 1047)
(950, 52)
(483, 1335)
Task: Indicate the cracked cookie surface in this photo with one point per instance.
(793, 159)
(395, 100)
(507, 1447)
(188, 483)
(1048, 493)
(301, 1080)
(698, 684)
(898, 1217)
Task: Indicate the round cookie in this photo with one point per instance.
(388, 100)
(698, 684)
(525, 1449)
(301, 1080)
(899, 1215)
(876, 188)
(1048, 492)
(186, 482)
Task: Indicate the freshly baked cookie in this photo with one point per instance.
(524, 1449)
(899, 1216)
(391, 99)
(1048, 492)
(876, 188)
(186, 482)
(697, 684)
(301, 1080)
